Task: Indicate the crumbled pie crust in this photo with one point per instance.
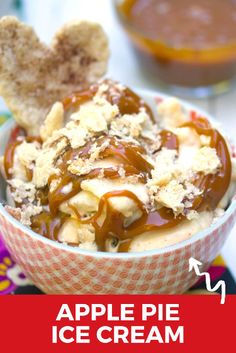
(170, 183)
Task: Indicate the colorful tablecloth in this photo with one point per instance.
(13, 280)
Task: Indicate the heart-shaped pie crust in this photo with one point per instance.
(33, 76)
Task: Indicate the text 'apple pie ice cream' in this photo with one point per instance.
(106, 173)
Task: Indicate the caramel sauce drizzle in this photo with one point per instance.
(17, 137)
(127, 101)
(9, 157)
(129, 155)
(48, 225)
(131, 159)
(169, 140)
(108, 222)
(213, 186)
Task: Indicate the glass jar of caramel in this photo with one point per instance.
(193, 43)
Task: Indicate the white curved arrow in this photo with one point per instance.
(195, 264)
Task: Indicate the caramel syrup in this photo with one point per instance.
(108, 222)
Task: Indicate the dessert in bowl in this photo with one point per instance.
(114, 191)
(74, 263)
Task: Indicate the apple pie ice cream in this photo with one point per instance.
(106, 173)
(100, 169)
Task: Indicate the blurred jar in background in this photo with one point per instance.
(11, 7)
(193, 42)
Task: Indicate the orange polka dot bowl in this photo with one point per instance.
(57, 268)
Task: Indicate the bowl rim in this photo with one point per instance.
(145, 93)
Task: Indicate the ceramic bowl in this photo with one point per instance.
(60, 269)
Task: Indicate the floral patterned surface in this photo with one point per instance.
(11, 276)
